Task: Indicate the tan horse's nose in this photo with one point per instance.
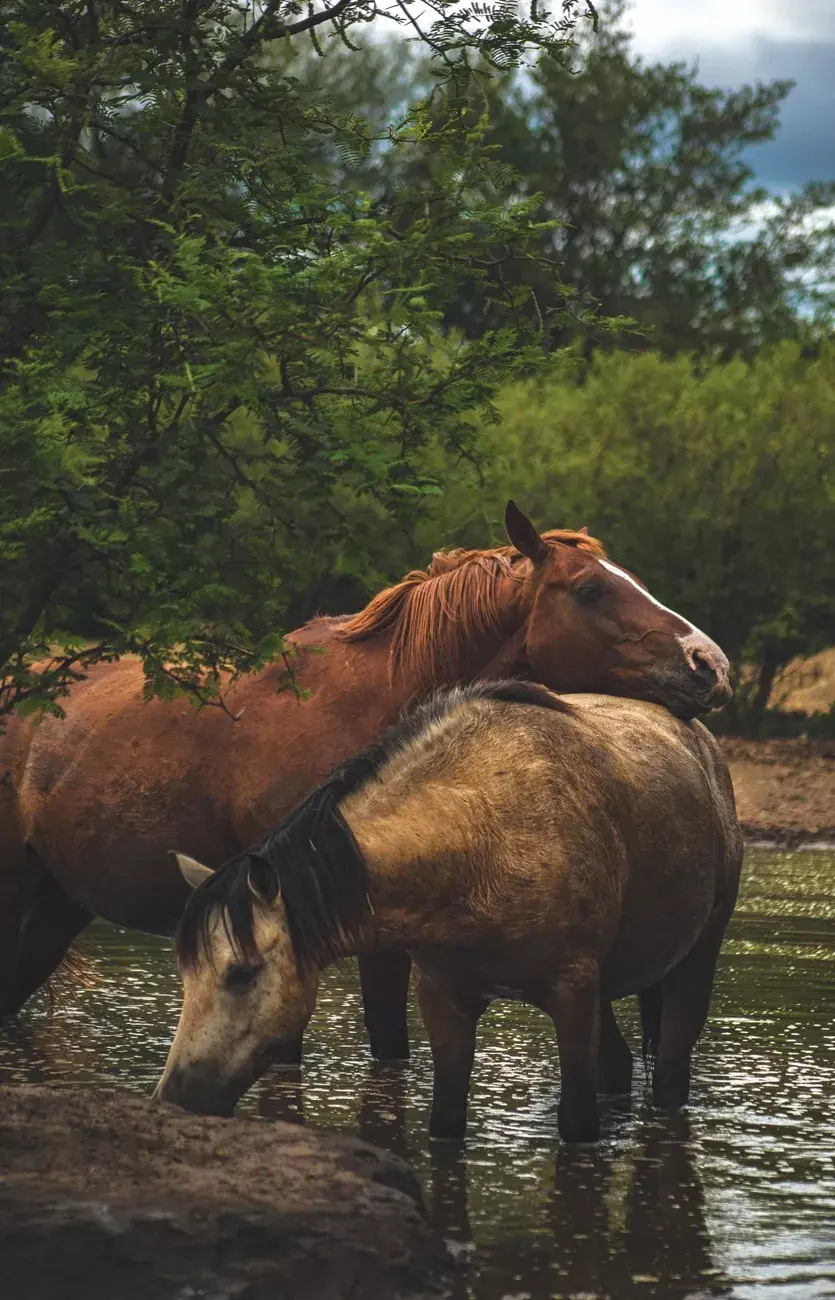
(710, 666)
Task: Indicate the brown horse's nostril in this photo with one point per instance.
(702, 663)
(708, 666)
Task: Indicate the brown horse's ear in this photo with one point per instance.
(583, 531)
(193, 872)
(523, 535)
(262, 880)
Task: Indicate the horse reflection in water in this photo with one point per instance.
(614, 1226)
(627, 1221)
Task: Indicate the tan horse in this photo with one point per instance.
(90, 805)
(517, 846)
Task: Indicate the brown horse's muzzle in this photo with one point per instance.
(709, 670)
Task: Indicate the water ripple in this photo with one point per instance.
(734, 1198)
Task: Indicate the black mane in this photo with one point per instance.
(312, 856)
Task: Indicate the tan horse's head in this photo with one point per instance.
(593, 626)
(245, 998)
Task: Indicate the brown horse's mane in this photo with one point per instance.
(436, 614)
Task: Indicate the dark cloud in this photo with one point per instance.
(804, 148)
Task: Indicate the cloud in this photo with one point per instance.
(727, 25)
(737, 41)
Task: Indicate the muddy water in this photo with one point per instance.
(734, 1198)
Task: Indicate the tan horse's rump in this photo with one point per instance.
(516, 846)
(97, 801)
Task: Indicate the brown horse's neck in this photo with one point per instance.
(492, 651)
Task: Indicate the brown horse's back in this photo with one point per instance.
(106, 793)
(109, 780)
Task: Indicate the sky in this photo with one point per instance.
(736, 41)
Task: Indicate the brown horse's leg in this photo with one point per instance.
(685, 1001)
(614, 1056)
(451, 1024)
(574, 1006)
(384, 978)
(37, 938)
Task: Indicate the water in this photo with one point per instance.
(734, 1198)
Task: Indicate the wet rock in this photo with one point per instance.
(106, 1196)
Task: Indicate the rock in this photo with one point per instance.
(107, 1196)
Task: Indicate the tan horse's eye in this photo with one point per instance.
(239, 976)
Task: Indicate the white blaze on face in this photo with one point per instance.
(627, 577)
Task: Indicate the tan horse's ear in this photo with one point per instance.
(583, 531)
(523, 535)
(194, 873)
(262, 880)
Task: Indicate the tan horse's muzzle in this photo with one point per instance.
(198, 1090)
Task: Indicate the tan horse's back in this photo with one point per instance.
(681, 839)
(616, 821)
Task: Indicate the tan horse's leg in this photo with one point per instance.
(451, 1023)
(573, 1003)
(685, 1001)
(614, 1057)
(36, 935)
(384, 978)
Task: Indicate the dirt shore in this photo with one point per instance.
(785, 789)
(104, 1195)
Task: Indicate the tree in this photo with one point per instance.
(214, 359)
(649, 198)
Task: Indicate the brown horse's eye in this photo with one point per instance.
(589, 592)
(239, 976)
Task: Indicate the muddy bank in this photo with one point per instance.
(785, 789)
(106, 1195)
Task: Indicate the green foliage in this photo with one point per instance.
(715, 482)
(217, 362)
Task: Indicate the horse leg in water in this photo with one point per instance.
(384, 978)
(614, 1057)
(649, 1000)
(37, 931)
(573, 1003)
(451, 1023)
(684, 1004)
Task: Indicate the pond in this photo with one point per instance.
(735, 1197)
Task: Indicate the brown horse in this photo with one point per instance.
(90, 805)
(517, 846)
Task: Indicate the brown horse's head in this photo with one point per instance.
(592, 626)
